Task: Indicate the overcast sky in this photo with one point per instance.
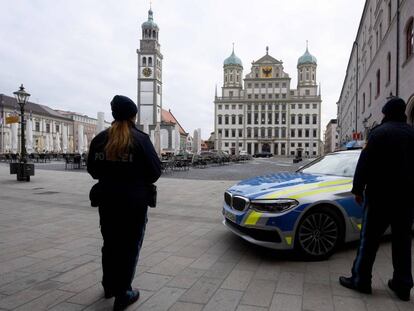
(75, 55)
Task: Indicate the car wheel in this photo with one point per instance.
(319, 234)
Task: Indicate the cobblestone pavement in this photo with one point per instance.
(50, 255)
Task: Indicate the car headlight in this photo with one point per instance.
(273, 206)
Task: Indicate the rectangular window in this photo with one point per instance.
(283, 135)
(219, 119)
(256, 132)
(219, 107)
(409, 39)
(256, 85)
(270, 96)
(284, 118)
(378, 82)
(269, 85)
(37, 126)
(307, 92)
(230, 93)
(299, 132)
(283, 95)
(263, 118)
(256, 96)
(389, 67)
(307, 119)
(292, 133)
(233, 133)
(263, 96)
(256, 118)
(226, 119)
(263, 85)
(269, 118)
(262, 132)
(269, 107)
(370, 94)
(300, 119)
(292, 119)
(314, 106)
(233, 119)
(276, 84)
(226, 144)
(47, 128)
(249, 96)
(293, 106)
(249, 132)
(363, 102)
(240, 119)
(306, 132)
(284, 84)
(249, 85)
(240, 107)
(226, 133)
(292, 145)
(249, 118)
(226, 107)
(240, 133)
(314, 119)
(233, 107)
(300, 106)
(315, 133)
(307, 106)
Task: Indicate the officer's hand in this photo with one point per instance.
(359, 199)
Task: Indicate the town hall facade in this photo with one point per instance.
(264, 114)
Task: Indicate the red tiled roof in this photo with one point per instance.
(168, 117)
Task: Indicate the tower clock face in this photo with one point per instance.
(146, 72)
(267, 72)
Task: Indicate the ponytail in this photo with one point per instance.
(119, 140)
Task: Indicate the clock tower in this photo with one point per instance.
(149, 77)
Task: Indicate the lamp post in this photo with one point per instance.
(22, 169)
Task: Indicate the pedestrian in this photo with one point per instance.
(124, 161)
(383, 182)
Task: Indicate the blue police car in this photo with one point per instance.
(311, 210)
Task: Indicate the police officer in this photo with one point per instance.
(124, 161)
(384, 182)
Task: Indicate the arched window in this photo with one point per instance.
(154, 34)
(144, 61)
(149, 61)
(409, 38)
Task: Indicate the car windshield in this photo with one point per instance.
(339, 164)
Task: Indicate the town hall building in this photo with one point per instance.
(264, 114)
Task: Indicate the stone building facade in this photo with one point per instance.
(331, 143)
(48, 126)
(265, 113)
(381, 64)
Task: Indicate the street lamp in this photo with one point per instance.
(22, 96)
(23, 169)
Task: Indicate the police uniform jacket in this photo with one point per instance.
(385, 169)
(129, 179)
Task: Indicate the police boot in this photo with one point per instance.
(123, 301)
(403, 294)
(350, 283)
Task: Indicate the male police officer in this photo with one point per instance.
(385, 174)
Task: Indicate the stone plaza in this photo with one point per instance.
(50, 252)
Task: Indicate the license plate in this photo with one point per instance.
(230, 216)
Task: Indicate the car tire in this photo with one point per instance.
(319, 234)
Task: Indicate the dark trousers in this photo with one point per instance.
(123, 230)
(375, 221)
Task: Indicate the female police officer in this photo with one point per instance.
(124, 161)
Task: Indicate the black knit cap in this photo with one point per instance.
(394, 109)
(123, 108)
